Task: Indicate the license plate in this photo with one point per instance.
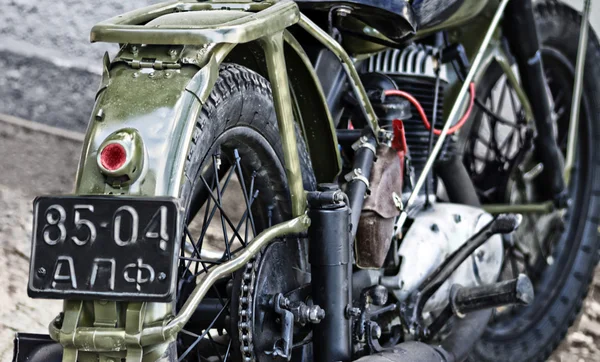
(101, 247)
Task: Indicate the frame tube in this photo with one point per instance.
(577, 91)
(99, 339)
(274, 54)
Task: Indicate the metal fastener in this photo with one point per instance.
(435, 228)
(162, 276)
(41, 272)
(100, 115)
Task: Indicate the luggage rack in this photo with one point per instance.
(262, 19)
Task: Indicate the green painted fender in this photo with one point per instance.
(162, 106)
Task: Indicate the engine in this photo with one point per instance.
(436, 230)
(412, 70)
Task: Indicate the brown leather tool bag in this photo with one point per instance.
(376, 225)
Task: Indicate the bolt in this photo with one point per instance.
(152, 75)
(457, 218)
(168, 74)
(41, 272)
(134, 49)
(352, 311)
(100, 115)
(173, 53)
(162, 276)
(136, 74)
(435, 228)
(316, 314)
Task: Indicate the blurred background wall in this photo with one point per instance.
(50, 71)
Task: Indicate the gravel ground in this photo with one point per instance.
(31, 163)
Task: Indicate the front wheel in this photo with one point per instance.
(559, 249)
(235, 187)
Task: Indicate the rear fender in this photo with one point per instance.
(162, 106)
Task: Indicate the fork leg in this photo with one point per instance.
(521, 33)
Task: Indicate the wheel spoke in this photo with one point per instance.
(220, 201)
(224, 215)
(194, 261)
(201, 336)
(243, 185)
(227, 351)
(502, 96)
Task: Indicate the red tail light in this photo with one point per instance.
(113, 156)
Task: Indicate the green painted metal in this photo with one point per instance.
(275, 57)
(312, 112)
(74, 336)
(577, 92)
(130, 27)
(158, 106)
(157, 92)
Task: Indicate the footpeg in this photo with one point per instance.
(470, 299)
(517, 291)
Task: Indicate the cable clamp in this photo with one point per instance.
(357, 174)
(363, 142)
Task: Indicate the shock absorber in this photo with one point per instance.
(331, 281)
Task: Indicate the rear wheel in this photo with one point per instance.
(558, 250)
(235, 187)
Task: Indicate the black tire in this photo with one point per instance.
(534, 332)
(239, 117)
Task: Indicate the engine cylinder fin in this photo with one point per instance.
(412, 70)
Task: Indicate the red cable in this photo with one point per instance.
(415, 102)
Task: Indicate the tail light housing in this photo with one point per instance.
(121, 157)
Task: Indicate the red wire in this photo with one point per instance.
(415, 102)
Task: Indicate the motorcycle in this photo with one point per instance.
(355, 180)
